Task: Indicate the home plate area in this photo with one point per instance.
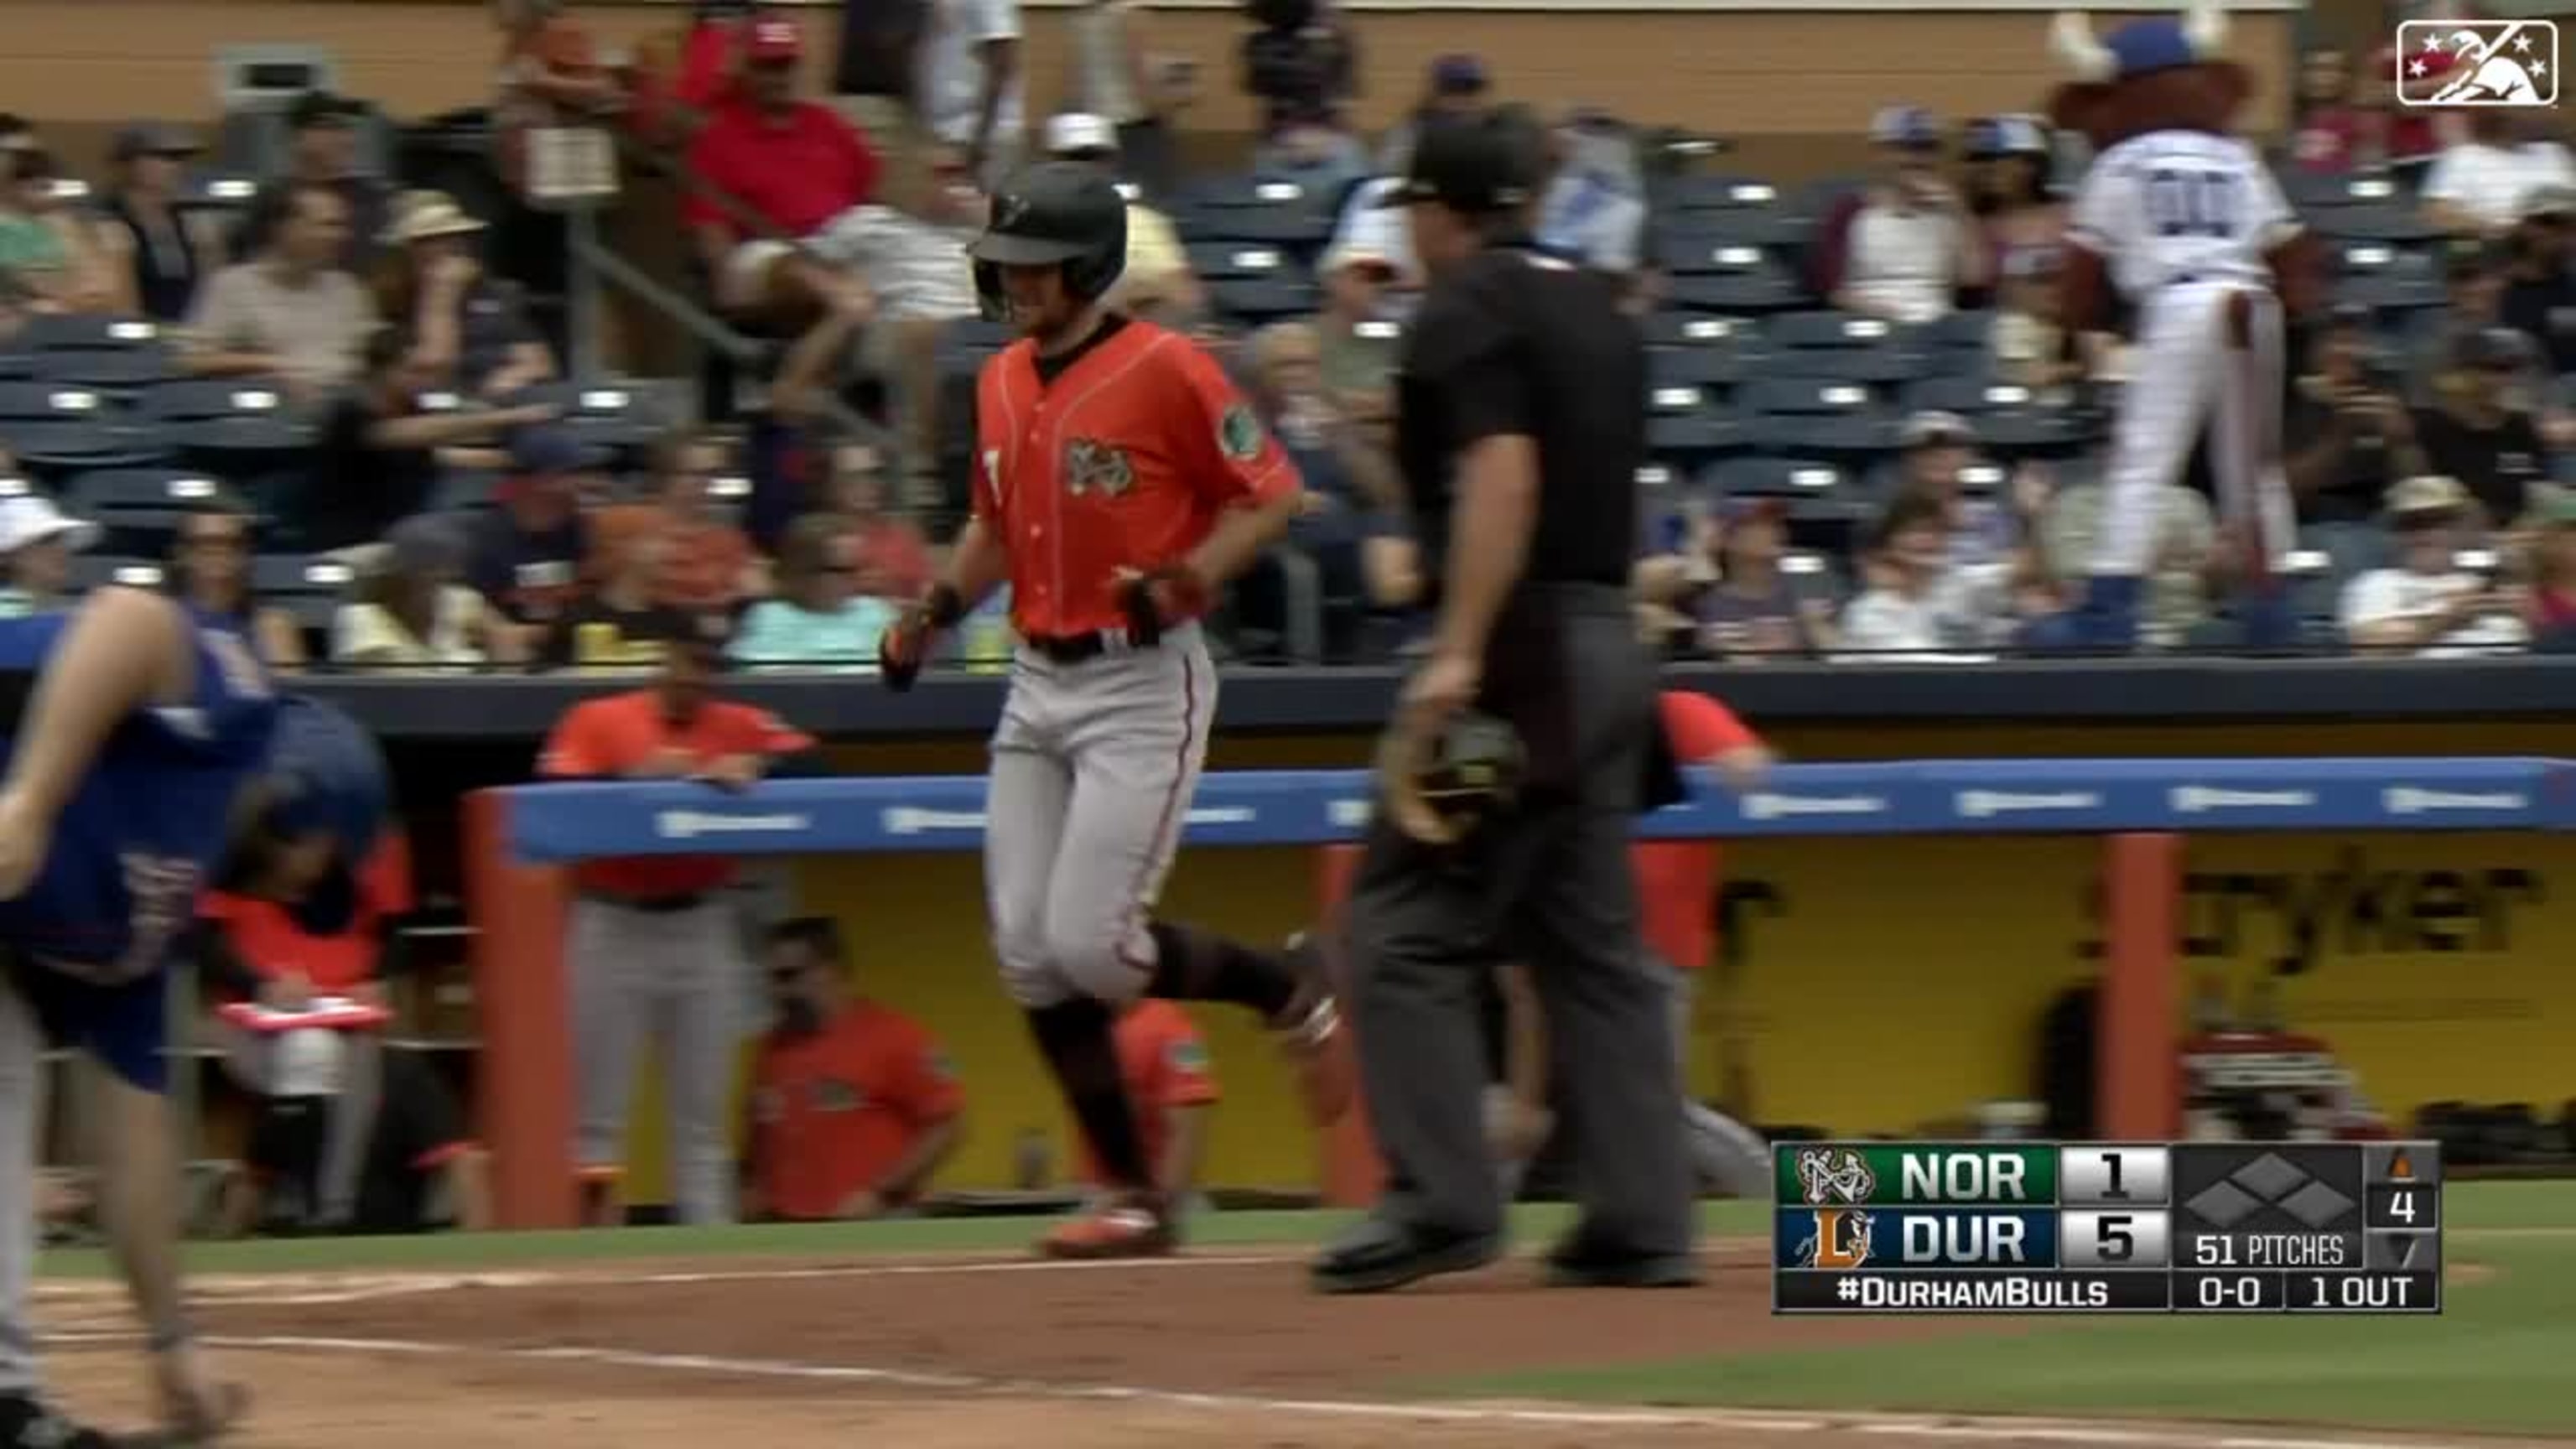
(1214, 1350)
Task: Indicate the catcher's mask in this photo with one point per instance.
(1059, 212)
(1440, 788)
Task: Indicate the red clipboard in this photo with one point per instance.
(325, 1013)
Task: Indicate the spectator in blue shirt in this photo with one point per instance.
(818, 620)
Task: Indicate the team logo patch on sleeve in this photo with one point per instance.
(1188, 1054)
(1238, 433)
(1091, 466)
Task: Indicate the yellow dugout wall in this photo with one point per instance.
(1872, 984)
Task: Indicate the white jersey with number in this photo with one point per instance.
(2181, 206)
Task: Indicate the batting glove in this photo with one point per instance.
(906, 643)
(1156, 601)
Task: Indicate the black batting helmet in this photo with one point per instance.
(1054, 212)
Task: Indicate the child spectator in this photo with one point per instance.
(818, 620)
(1917, 601)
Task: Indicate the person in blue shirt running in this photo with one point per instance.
(147, 751)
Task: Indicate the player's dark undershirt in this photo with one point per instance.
(1052, 367)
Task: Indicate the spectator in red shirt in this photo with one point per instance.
(793, 163)
(653, 944)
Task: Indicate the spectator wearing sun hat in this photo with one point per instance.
(2426, 602)
(156, 252)
(1157, 282)
(36, 547)
(469, 330)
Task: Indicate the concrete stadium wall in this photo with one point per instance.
(1795, 83)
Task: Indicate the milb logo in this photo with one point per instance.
(1841, 1240)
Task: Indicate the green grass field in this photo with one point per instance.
(2489, 1363)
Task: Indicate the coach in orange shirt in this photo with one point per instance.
(1677, 883)
(652, 942)
(853, 1106)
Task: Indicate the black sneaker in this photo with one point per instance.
(27, 1422)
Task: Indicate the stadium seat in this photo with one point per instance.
(16, 366)
(1830, 329)
(1687, 436)
(51, 402)
(1691, 329)
(1221, 261)
(125, 370)
(1804, 396)
(1957, 332)
(1713, 367)
(1967, 396)
(310, 590)
(1876, 367)
(1853, 438)
(2033, 432)
(95, 570)
(1776, 477)
(1755, 226)
(140, 508)
(464, 490)
(1711, 192)
(1257, 300)
(231, 421)
(2309, 192)
(2392, 222)
(1756, 292)
(611, 414)
(203, 399)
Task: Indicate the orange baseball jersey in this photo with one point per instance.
(616, 733)
(268, 940)
(833, 1112)
(1123, 461)
(1164, 1063)
(1677, 879)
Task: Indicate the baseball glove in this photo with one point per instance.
(1438, 788)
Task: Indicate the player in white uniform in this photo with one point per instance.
(2186, 222)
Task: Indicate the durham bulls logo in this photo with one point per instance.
(1840, 1242)
(1834, 1174)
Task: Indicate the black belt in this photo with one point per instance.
(1077, 648)
(650, 905)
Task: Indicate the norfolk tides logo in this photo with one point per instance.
(1091, 466)
(1840, 1242)
(1834, 1174)
(2477, 63)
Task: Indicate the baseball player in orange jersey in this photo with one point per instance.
(1120, 482)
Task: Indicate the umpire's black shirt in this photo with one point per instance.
(1513, 342)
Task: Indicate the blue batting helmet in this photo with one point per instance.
(325, 775)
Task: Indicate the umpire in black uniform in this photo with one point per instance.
(1520, 427)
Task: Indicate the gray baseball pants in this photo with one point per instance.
(1093, 768)
(675, 977)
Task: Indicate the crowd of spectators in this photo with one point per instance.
(829, 222)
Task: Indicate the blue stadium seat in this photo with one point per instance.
(1743, 294)
(95, 570)
(464, 491)
(1714, 367)
(2389, 222)
(77, 332)
(285, 576)
(1220, 261)
(1967, 396)
(611, 414)
(1711, 192)
(1797, 396)
(15, 365)
(1696, 329)
(1257, 300)
(1958, 331)
(200, 399)
(1853, 438)
(1754, 226)
(125, 370)
(53, 402)
(1243, 191)
(140, 508)
(2033, 432)
(1293, 226)
(1769, 476)
(1688, 437)
(1877, 367)
(1824, 329)
(2309, 192)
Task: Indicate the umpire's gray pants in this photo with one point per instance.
(677, 977)
(1548, 885)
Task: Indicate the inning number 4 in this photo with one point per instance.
(2195, 203)
(2401, 1206)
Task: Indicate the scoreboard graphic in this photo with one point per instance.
(2107, 1227)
